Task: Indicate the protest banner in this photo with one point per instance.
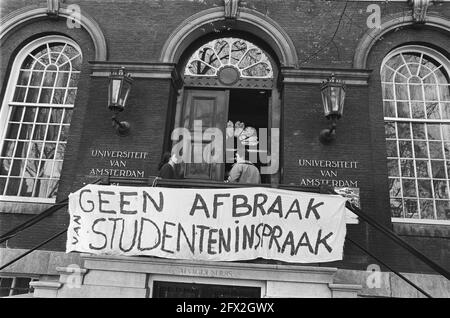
(207, 224)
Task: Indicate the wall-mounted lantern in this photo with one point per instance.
(118, 91)
(333, 97)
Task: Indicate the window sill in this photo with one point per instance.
(18, 206)
(421, 221)
(9, 198)
(435, 230)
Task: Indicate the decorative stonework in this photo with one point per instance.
(250, 21)
(53, 8)
(420, 8)
(137, 70)
(358, 77)
(231, 8)
(210, 269)
(211, 81)
(397, 21)
(30, 13)
(225, 54)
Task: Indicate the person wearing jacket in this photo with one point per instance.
(167, 169)
(244, 171)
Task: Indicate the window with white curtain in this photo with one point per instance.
(416, 100)
(35, 118)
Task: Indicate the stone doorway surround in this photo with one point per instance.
(120, 276)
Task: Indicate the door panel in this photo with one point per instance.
(208, 109)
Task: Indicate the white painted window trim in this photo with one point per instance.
(420, 49)
(421, 221)
(439, 57)
(9, 94)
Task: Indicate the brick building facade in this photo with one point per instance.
(306, 42)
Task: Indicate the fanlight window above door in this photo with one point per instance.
(229, 59)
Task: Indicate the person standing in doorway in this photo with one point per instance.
(167, 166)
(244, 171)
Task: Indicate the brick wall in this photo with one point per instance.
(135, 31)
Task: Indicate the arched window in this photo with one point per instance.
(229, 60)
(245, 95)
(35, 118)
(416, 98)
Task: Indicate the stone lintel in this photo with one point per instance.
(232, 270)
(359, 77)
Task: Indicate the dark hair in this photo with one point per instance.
(243, 152)
(165, 159)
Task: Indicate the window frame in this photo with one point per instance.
(445, 62)
(230, 41)
(6, 109)
(12, 289)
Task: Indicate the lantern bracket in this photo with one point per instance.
(333, 97)
(118, 91)
(329, 134)
(122, 127)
